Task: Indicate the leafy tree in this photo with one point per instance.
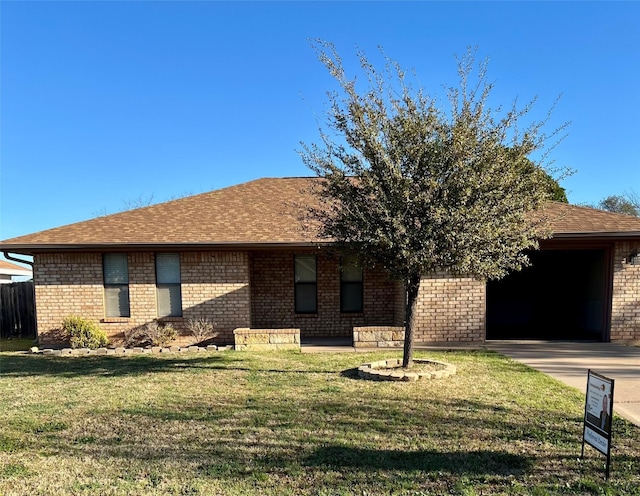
(554, 190)
(416, 189)
(628, 204)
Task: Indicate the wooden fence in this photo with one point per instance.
(17, 310)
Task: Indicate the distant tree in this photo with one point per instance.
(139, 202)
(628, 204)
(634, 198)
(416, 190)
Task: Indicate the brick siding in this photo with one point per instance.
(400, 303)
(625, 302)
(242, 289)
(66, 284)
(273, 305)
(215, 285)
(450, 308)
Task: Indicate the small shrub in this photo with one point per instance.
(201, 329)
(83, 333)
(135, 337)
(162, 335)
(151, 334)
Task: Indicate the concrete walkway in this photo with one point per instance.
(569, 362)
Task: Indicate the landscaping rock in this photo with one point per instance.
(391, 370)
(113, 350)
(396, 376)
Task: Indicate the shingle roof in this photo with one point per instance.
(576, 221)
(256, 212)
(262, 212)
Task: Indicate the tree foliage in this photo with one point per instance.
(417, 189)
(554, 190)
(628, 204)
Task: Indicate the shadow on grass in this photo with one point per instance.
(109, 366)
(484, 462)
(20, 365)
(350, 374)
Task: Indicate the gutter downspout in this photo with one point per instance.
(13, 259)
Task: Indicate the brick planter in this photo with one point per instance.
(266, 339)
(378, 337)
(391, 370)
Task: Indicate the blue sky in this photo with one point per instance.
(103, 103)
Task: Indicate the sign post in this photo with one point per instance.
(598, 410)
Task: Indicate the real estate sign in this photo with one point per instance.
(598, 410)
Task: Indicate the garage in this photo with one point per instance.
(563, 295)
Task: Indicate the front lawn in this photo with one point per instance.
(238, 423)
(14, 344)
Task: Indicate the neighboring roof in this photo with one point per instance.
(264, 212)
(11, 269)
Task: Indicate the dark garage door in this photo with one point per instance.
(560, 296)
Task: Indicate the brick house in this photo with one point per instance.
(242, 257)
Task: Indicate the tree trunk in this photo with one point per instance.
(413, 286)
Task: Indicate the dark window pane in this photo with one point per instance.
(115, 268)
(305, 268)
(351, 287)
(168, 268)
(116, 301)
(351, 297)
(306, 298)
(169, 300)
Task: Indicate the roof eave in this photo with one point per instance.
(15, 272)
(609, 235)
(32, 249)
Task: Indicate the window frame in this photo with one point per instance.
(122, 286)
(168, 285)
(305, 284)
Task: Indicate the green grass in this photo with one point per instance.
(285, 423)
(16, 344)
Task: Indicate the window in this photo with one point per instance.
(116, 284)
(306, 284)
(169, 294)
(350, 286)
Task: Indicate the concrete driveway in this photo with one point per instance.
(569, 362)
